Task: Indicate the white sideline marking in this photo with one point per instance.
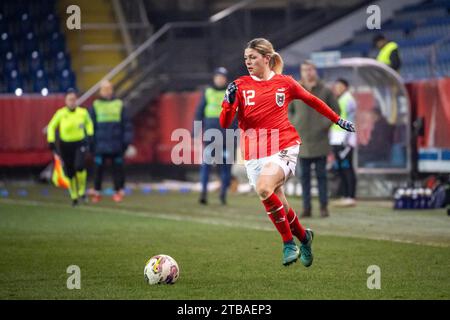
(209, 221)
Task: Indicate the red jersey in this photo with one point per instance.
(262, 107)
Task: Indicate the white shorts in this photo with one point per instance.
(286, 159)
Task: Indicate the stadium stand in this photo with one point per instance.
(33, 51)
(98, 46)
(420, 30)
(165, 77)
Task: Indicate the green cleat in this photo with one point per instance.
(290, 253)
(306, 256)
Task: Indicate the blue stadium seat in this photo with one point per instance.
(394, 24)
(416, 71)
(437, 20)
(40, 81)
(415, 42)
(61, 61)
(56, 43)
(414, 59)
(434, 29)
(423, 16)
(32, 47)
(9, 63)
(51, 24)
(13, 81)
(66, 80)
(30, 43)
(5, 42)
(440, 4)
(19, 48)
(443, 51)
(34, 62)
(25, 24)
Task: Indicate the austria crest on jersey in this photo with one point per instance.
(280, 97)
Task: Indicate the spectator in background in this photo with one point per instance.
(377, 151)
(75, 129)
(113, 133)
(313, 128)
(343, 144)
(388, 52)
(208, 111)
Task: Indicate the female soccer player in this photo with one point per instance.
(269, 141)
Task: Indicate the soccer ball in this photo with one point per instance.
(161, 269)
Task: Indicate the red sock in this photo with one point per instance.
(296, 228)
(275, 211)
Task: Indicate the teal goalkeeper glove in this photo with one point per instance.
(346, 125)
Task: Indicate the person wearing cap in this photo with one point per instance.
(208, 111)
(75, 129)
(388, 52)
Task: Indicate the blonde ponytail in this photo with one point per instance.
(276, 63)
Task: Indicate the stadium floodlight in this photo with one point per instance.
(44, 92)
(18, 92)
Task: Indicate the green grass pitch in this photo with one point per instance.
(228, 252)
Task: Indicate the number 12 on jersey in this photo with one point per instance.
(248, 96)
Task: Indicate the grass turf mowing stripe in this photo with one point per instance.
(247, 222)
(37, 243)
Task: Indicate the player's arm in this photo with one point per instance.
(229, 105)
(51, 130)
(311, 100)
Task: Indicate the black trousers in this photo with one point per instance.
(118, 169)
(346, 172)
(305, 177)
(73, 154)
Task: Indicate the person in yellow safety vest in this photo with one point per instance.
(343, 144)
(113, 134)
(388, 52)
(208, 111)
(76, 130)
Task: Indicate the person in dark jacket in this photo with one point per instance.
(313, 128)
(113, 133)
(208, 111)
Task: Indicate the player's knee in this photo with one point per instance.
(263, 189)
